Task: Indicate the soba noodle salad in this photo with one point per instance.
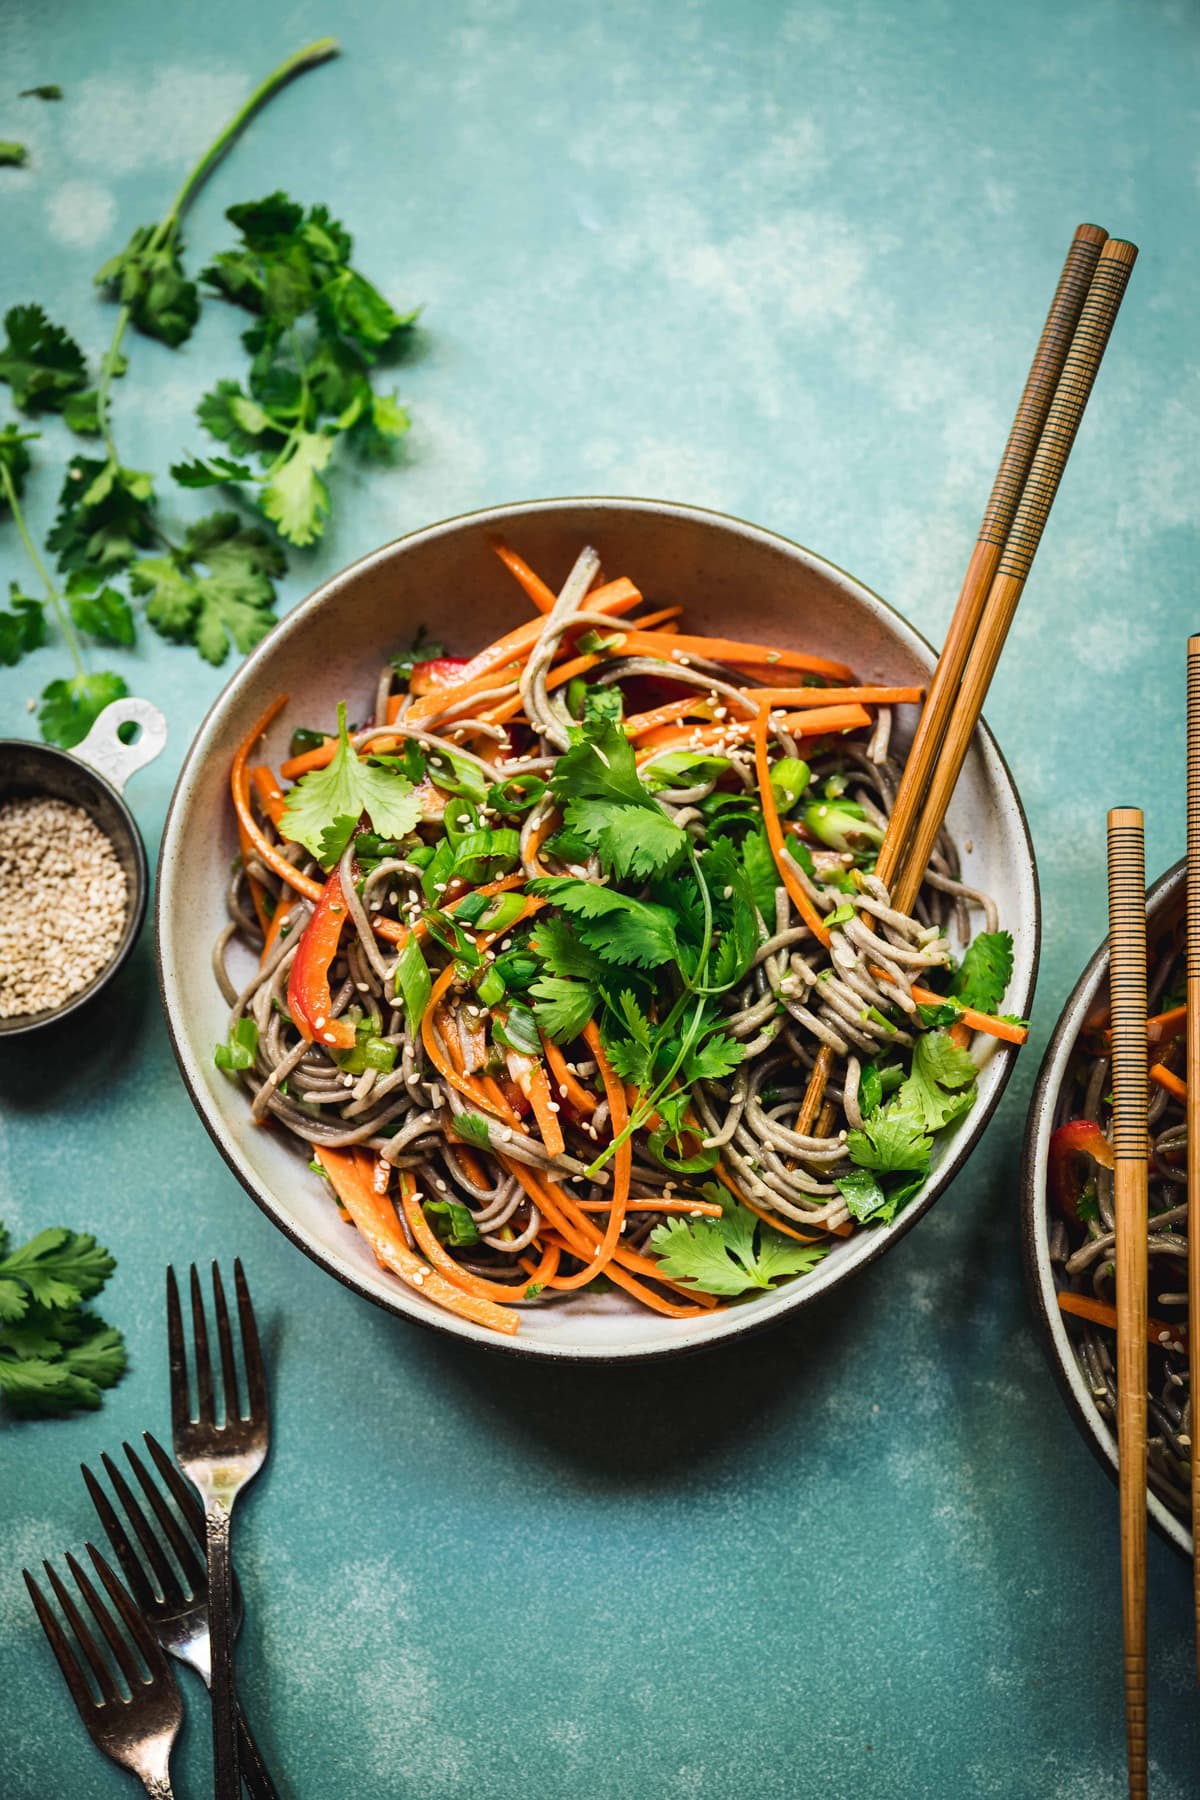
(574, 972)
(1080, 1181)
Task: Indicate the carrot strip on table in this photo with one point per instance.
(351, 1177)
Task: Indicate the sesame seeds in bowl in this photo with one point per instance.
(63, 904)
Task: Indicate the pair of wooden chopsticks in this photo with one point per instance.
(1072, 344)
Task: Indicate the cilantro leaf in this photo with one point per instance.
(941, 1084)
(562, 1007)
(83, 1356)
(147, 276)
(232, 416)
(617, 927)
(12, 156)
(101, 611)
(296, 499)
(609, 807)
(23, 628)
(104, 515)
(721, 1256)
(234, 600)
(82, 412)
(985, 971)
(70, 707)
(14, 457)
(349, 787)
(762, 875)
(47, 90)
(212, 471)
(59, 1268)
(40, 361)
(893, 1138)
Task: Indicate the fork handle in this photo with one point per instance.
(257, 1781)
(226, 1779)
(159, 1786)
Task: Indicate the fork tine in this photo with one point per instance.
(117, 1643)
(153, 1654)
(68, 1662)
(256, 1379)
(181, 1404)
(87, 1643)
(118, 1537)
(205, 1407)
(233, 1406)
(189, 1562)
(182, 1492)
(164, 1574)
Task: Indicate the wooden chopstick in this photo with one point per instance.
(1127, 990)
(1100, 309)
(1034, 405)
(1193, 1095)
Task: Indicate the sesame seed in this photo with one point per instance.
(62, 904)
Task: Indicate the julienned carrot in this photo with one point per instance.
(729, 650)
(240, 785)
(1083, 1306)
(580, 1238)
(1168, 1080)
(443, 1063)
(279, 918)
(836, 696)
(1164, 1025)
(269, 792)
(350, 1174)
(545, 1108)
(813, 723)
(569, 1085)
(535, 588)
(978, 1021)
(787, 869)
(478, 1285)
(622, 1164)
(258, 894)
(696, 1209)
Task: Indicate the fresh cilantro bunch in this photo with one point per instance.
(736, 1254)
(649, 949)
(55, 1355)
(319, 329)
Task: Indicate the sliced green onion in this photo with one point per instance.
(518, 1030)
(504, 910)
(413, 983)
(519, 794)
(491, 989)
(242, 1048)
(789, 779)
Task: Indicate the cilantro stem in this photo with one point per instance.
(319, 51)
(68, 629)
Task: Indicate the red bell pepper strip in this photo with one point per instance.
(1072, 1147)
(309, 999)
(438, 672)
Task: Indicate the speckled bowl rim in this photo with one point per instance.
(737, 1322)
(1035, 1238)
(136, 907)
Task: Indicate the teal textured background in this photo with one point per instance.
(789, 261)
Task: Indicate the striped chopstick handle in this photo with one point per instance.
(1127, 992)
(1096, 320)
(1193, 1095)
(1044, 372)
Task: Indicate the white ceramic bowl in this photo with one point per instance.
(1045, 1112)
(733, 578)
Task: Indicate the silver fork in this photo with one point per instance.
(172, 1597)
(138, 1732)
(219, 1458)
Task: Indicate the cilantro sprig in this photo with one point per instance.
(324, 808)
(55, 1355)
(736, 1254)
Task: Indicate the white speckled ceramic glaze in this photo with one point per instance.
(734, 579)
(1039, 1272)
